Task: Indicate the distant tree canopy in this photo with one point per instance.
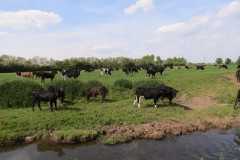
(228, 61)
(12, 64)
(219, 61)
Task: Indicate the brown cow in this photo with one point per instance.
(24, 74)
(97, 90)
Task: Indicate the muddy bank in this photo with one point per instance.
(126, 133)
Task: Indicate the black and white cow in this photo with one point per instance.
(70, 73)
(105, 71)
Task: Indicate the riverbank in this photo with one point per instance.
(125, 133)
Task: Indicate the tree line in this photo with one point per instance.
(10, 63)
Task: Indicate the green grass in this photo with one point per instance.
(118, 108)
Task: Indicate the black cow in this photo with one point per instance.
(89, 69)
(60, 94)
(186, 67)
(70, 73)
(42, 95)
(200, 67)
(238, 66)
(48, 75)
(237, 99)
(151, 71)
(148, 93)
(105, 71)
(159, 69)
(169, 93)
(238, 75)
(127, 71)
(223, 66)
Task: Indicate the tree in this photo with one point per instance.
(219, 61)
(158, 60)
(228, 61)
(238, 60)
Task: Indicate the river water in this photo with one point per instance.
(214, 144)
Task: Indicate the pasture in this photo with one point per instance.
(196, 87)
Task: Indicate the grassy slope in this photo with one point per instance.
(118, 109)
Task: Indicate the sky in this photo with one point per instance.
(198, 30)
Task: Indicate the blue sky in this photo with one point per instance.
(60, 29)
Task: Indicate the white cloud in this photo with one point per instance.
(184, 27)
(145, 5)
(231, 10)
(27, 19)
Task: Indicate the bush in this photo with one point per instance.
(123, 85)
(73, 88)
(148, 83)
(17, 93)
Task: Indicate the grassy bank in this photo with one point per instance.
(80, 118)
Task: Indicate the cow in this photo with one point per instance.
(60, 94)
(48, 75)
(147, 93)
(223, 66)
(238, 75)
(44, 95)
(70, 73)
(38, 74)
(127, 71)
(237, 99)
(160, 69)
(24, 74)
(95, 91)
(200, 67)
(238, 66)
(169, 93)
(151, 71)
(186, 67)
(89, 70)
(105, 71)
(155, 93)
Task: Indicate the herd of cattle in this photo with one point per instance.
(54, 95)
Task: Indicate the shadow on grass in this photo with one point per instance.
(167, 105)
(68, 105)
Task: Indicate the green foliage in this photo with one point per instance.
(219, 61)
(238, 60)
(73, 88)
(17, 93)
(123, 84)
(228, 61)
(148, 83)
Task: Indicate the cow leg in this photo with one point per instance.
(39, 105)
(155, 102)
(34, 101)
(138, 100)
(55, 103)
(134, 101)
(236, 102)
(51, 106)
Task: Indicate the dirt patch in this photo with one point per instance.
(196, 103)
(232, 78)
(174, 127)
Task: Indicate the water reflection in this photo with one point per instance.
(223, 144)
(45, 147)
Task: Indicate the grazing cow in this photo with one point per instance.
(151, 71)
(38, 74)
(42, 95)
(60, 94)
(95, 91)
(200, 67)
(169, 93)
(70, 73)
(24, 74)
(148, 93)
(238, 66)
(127, 71)
(223, 66)
(48, 75)
(186, 67)
(237, 99)
(238, 75)
(105, 71)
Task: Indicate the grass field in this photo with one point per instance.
(118, 108)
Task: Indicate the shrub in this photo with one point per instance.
(73, 88)
(17, 93)
(123, 85)
(148, 83)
